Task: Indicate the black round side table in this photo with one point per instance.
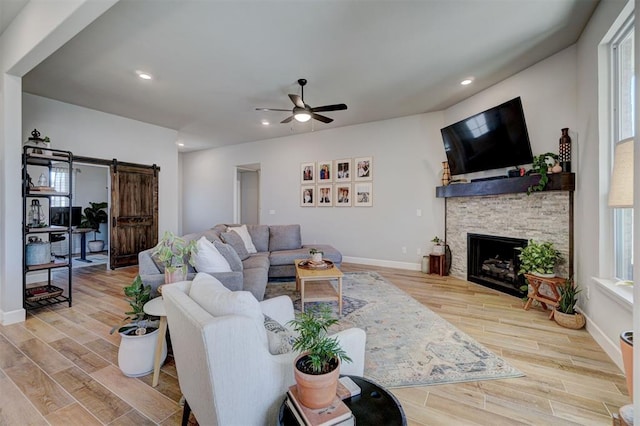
(374, 406)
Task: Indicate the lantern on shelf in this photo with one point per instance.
(36, 216)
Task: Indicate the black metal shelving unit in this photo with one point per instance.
(40, 294)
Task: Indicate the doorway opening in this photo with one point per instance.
(247, 194)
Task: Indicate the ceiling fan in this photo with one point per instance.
(303, 112)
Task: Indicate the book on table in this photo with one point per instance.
(347, 388)
(334, 414)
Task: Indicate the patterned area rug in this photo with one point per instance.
(407, 344)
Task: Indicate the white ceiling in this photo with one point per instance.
(215, 61)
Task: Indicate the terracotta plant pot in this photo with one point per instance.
(174, 277)
(574, 321)
(316, 390)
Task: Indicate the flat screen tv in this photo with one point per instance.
(60, 216)
(492, 139)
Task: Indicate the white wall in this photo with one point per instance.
(407, 154)
(91, 133)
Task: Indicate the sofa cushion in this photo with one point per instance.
(246, 238)
(230, 255)
(260, 236)
(218, 300)
(234, 240)
(258, 260)
(284, 237)
(280, 339)
(208, 258)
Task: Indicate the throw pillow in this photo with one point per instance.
(284, 237)
(230, 255)
(208, 292)
(234, 240)
(246, 238)
(208, 258)
(280, 339)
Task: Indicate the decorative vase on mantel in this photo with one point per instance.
(446, 173)
(564, 150)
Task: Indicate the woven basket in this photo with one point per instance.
(574, 321)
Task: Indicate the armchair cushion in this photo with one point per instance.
(280, 339)
(234, 240)
(208, 258)
(219, 301)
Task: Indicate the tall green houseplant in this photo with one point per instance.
(93, 216)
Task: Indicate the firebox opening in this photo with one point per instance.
(493, 261)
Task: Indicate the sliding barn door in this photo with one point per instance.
(134, 209)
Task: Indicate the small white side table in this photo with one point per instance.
(155, 307)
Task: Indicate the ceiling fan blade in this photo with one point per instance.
(272, 109)
(297, 100)
(321, 118)
(286, 120)
(336, 107)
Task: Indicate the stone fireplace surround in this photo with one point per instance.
(541, 216)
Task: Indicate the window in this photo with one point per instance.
(623, 90)
(60, 181)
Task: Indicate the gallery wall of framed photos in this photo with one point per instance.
(347, 182)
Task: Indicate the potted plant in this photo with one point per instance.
(538, 259)
(173, 252)
(316, 255)
(138, 332)
(565, 313)
(541, 165)
(438, 245)
(93, 216)
(317, 367)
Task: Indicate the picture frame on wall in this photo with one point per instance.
(325, 196)
(363, 168)
(342, 169)
(363, 193)
(307, 173)
(342, 194)
(307, 196)
(324, 171)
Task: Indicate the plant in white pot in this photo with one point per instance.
(539, 259)
(92, 217)
(565, 313)
(174, 252)
(316, 255)
(438, 245)
(138, 332)
(317, 368)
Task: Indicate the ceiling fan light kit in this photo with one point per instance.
(302, 112)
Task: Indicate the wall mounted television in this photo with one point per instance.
(60, 216)
(492, 139)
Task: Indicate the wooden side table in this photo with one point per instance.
(155, 307)
(437, 264)
(538, 284)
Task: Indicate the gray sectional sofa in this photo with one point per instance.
(277, 247)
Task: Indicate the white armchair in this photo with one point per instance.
(225, 370)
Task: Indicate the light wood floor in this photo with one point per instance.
(60, 366)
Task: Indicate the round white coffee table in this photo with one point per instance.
(155, 307)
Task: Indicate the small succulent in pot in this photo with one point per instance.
(316, 255)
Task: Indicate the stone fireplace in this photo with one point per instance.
(502, 210)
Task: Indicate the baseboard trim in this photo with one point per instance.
(13, 317)
(384, 263)
(611, 348)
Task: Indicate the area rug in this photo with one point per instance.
(407, 344)
(96, 259)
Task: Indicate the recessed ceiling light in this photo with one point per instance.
(144, 75)
(180, 144)
(265, 123)
(466, 81)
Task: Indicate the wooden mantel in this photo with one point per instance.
(557, 182)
